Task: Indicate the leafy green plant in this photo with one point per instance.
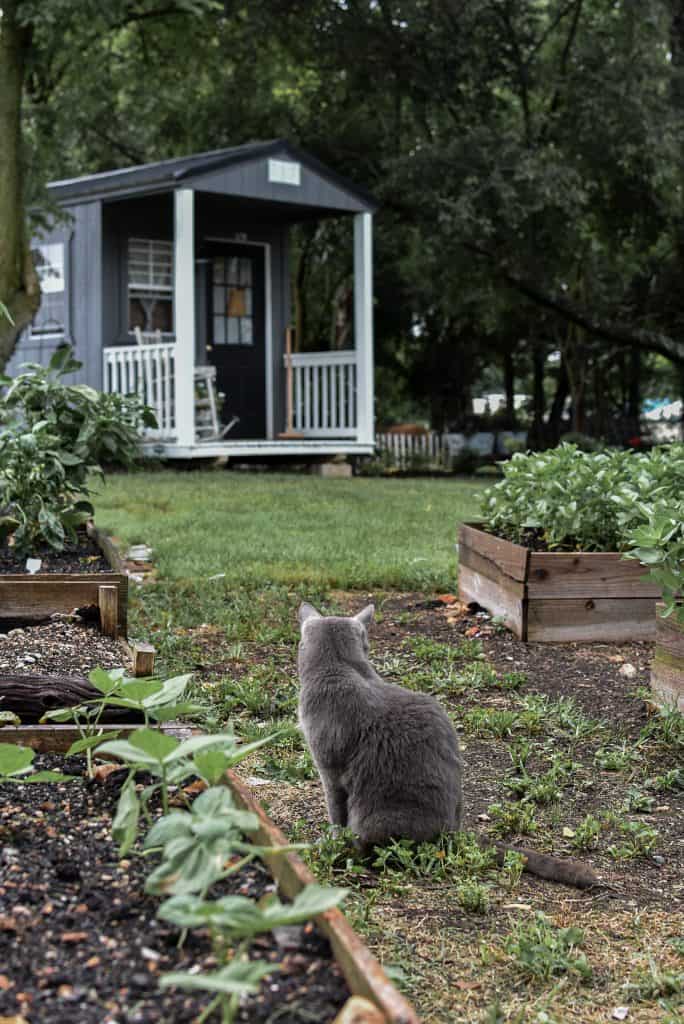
(41, 505)
(473, 896)
(228, 920)
(617, 758)
(512, 819)
(170, 762)
(638, 840)
(16, 765)
(577, 500)
(668, 781)
(54, 438)
(587, 833)
(153, 699)
(541, 951)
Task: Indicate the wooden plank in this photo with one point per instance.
(363, 973)
(56, 739)
(591, 574)
(471, 559)
(512, 558)
(602, 620)
(475, 588)
(108, 603)
(667, 682)
(108, 549)
(669, 635)
(37, 597)
(142, 656)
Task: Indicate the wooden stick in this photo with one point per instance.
(108, 603)
(143, 659)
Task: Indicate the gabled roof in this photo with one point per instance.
(204, 170)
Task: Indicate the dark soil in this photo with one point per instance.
(79, 939)
(533, 539)
(81, 556)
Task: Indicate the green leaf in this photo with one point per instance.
(88, 742)
(171, 826)
(15, 760)
(211, 765)
(154, 743)
(125, 824)
(239, 977)
(9, 718)
(48, 776)
(106, 682)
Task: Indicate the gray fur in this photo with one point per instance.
(388, 758)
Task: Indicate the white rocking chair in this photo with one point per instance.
(207, 424)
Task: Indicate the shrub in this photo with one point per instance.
(56, 435)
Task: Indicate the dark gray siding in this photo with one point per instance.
(250, 180)
(81, 235)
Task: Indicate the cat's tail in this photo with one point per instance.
(566, 870)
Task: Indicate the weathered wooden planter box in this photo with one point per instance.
(361, 970)
(26, 598)
(667, 668)
(556, 596)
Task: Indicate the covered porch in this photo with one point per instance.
(226, 294)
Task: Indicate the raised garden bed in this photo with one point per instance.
(79, 939)
(99, 584)
(556, 596)
(45, 667)
(667, 668)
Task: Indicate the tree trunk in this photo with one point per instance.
(19, 285)
(509, 385)
(30, 696)
(557, 406)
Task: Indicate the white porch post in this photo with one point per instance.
(363, 325)
(184, 313)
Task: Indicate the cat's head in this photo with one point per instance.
(317, 629)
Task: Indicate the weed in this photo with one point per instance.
(587, 833)
(473, 896)
(670, 780)
(513, 819)
(511, 681)
(500, 722)
(512, 868)
(639, 839)
(666, 729)
(616, 759)
(656, 983)
(541, 951)
(638, 803)
(453, 854)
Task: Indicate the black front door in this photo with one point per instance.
(236, 339)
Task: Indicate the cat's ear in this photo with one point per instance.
(365, 617)
(307, 611)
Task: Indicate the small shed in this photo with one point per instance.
(168, 275)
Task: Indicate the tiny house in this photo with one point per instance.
(172, 280)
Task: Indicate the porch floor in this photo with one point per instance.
(305, 447)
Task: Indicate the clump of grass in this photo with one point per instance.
(616, 759)
(638, 803)
(665, 729)
(452, 854)
(512, 819)
(499, 722)
(587, 833)
(639, 840)
(656, 983)
(540, 951)
(473, 896)
(667, 782)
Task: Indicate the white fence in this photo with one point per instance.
(147, 370)
(407, 451)
(324, 400)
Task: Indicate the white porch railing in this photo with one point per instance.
(147, 370)
(324, 399)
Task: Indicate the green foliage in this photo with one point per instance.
(54, 439)
(638, 840)
(587, 833)
(540, 951)
(16, 766)
(513, 819)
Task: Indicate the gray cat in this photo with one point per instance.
(388, 758)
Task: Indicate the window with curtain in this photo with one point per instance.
(150, 285)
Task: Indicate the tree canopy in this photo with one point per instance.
(527, 155)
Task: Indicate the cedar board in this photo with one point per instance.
(33, 598)
(362, 972)
(556, 597)
(667, 667)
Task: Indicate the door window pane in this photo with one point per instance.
(246, 330)
(219, 330)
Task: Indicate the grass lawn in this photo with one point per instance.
(559, 751)
(292, 529)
